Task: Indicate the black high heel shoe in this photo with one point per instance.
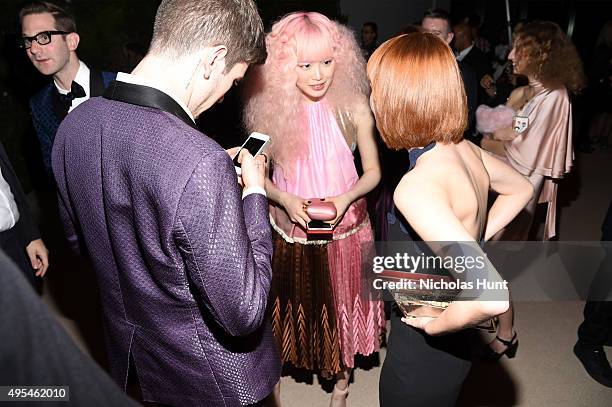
(511, 348)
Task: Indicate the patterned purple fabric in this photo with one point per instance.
(183, 264)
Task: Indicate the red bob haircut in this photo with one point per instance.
(417, 92)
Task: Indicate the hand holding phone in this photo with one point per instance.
(253, 172)
(255, 145)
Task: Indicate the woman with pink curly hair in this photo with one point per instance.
(311, 98)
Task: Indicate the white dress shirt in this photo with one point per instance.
(9, 214)
(463, 53)
(82, 78)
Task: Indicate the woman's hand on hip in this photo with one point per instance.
(418, 322)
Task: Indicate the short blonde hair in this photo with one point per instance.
(183, 27)
(417, 92)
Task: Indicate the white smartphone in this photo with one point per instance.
(255, 144)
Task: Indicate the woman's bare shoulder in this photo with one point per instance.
(421, 183)
(360, 107)
(520, 90)
(473, 147)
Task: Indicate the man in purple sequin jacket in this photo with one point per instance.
(182, 259)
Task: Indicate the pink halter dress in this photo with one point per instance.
(322, 311)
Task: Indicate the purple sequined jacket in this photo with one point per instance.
(182, 262)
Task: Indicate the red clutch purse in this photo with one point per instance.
(321, 210)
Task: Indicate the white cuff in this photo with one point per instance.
(253, 190)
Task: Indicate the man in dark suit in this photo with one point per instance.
(19, 236)
(438, 22)
(468, 53)
(50, 40)
(182, 255)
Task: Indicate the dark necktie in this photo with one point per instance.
(76, 91)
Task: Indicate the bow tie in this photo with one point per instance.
(76, 91)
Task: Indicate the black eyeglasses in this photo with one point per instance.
(42, 38)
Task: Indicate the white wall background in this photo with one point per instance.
(389, 15)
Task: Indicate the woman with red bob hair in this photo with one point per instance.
(419, 103)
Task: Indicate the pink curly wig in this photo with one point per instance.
(273, 103)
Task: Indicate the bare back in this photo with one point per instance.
(468, 186)
(444, 197)
(456, 175)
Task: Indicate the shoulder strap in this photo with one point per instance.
(415, 153)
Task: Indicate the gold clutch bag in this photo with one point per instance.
(425, 295)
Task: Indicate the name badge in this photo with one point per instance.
(520, 124)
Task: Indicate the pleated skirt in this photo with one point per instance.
(322, 311)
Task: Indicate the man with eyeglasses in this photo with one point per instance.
(50, 41)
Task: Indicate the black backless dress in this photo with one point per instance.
(420, 370)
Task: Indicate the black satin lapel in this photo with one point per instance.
(147, 97)
(96, 83)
